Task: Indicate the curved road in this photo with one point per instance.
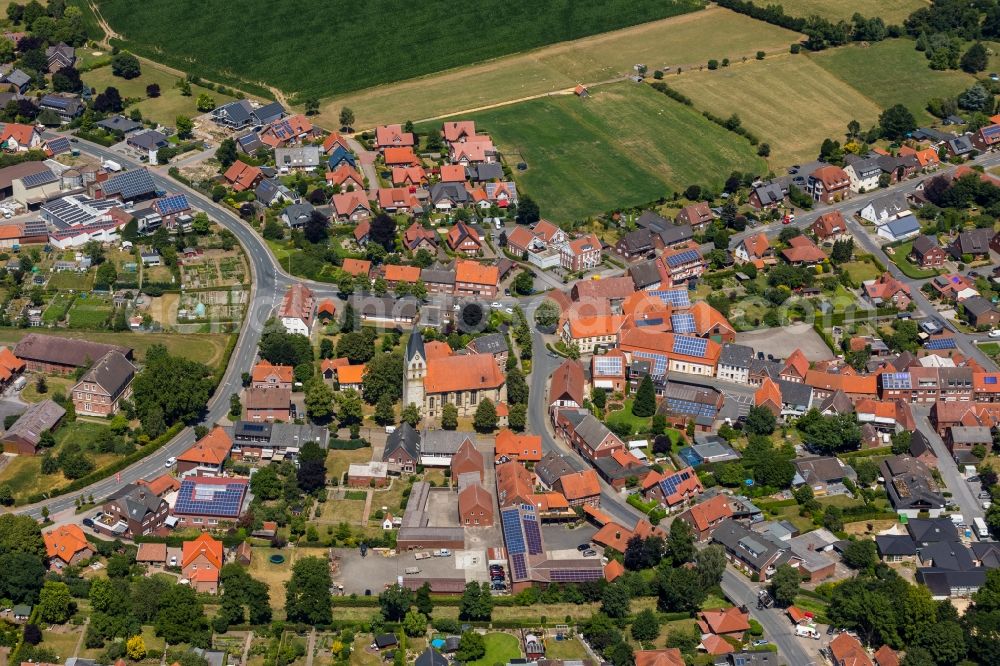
(269, 283)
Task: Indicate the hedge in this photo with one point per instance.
(347, 444)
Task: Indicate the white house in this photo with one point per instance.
(864, 173)
(885, 209)
(297, 309)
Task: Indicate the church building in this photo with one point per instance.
(464, 380)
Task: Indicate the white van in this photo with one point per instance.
(806, 631)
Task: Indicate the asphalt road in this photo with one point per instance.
(777, 627)
(269, 283)
(963, 493)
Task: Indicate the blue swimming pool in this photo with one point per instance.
(689, 456)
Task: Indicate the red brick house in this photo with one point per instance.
(698, 215)
(201, 562)
(268, 404)
(828, 184)
(580, 488)
(581, 254)
(475, 506)
(705, 516)
(265, 375)
(101, 390)
(830, 227)
(926, 252)
(463, 238)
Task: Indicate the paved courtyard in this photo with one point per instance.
(780, 342)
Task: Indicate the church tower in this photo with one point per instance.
(414, 371)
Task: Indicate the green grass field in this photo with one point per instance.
(890, 11)
(500, 649)
(365, 44)
(57, 307)
(900, 257)
(163, 109)
(682, 41)
(789, 101)
(90, 312)
(624, 146)
(900, 77)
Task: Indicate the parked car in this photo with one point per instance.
(994, 333)
(984, 494)
(171, 461)
(496, 305)
(590, 553)
(87, 522)
(583, 546)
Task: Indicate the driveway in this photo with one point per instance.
(963, 493)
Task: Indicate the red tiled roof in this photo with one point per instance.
(475, 273)
(612, 570)
(463, 373)
(205, 545)
(64, 542)
(848, 651)
(212, 449)
(398, 273)
(357, 266)
(242, 175)
(525, 448)
(264, 369)
(706, 513)
(725, 620)
(452, 173)
(580, 485)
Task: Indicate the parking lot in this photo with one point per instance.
(373, 572)
(559, 537)
(780, 342)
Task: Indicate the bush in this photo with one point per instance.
(755, 628)
(713, 64)
(795, 48)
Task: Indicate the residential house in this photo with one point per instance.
(698, 216)
(475, 506)
(802, 251)
(392, 136)
(520, 447)
(926, 252)
(131, 511)
(402, 448)
(268, 404)
(580, 488)
(828, 184)
(66, 546)
(351, 206)
(449, 196)
(705, 516)
(846, 650)
(297, 158)
(768, 195)
(242, 176)
(734, 363)
(146, 144)
(207, 455)
(960, 146)
(830, 227)
(59, 56)
(297, 215)
(18, 79)
(201, 562)
(911, 488)
(972, 245)
(590, 333)
(887, 290)
(885, 209)
(465, 239)
(586, 434)
(566, 387)
(515, 484)
(416, 237)
(634, 244)
(986, 138)
(672, 488)
(754, 250)
(581, 254)
(208, 502)
(494, 344)
(339, 158)
(266, 375)
(683, 264)
(298, 307)
(398, 200)
(824, 474)
(67, 107)
(346, 178)
(102, 388)
(438, 280)
(400, 157)
(864, 172)
(475, 279)
(980, 312)
(750, 552)
(19, 138)
(467, 460)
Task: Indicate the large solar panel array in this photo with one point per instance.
(941, 343)
(683, 322)
(575, 575)
(897, 380)
(532, 534)
(659, 362)
(678, 298)
(512, 534)
(57, 102)
(131, 184)
(681, 258)
(222, 500)
(608, 365)
(176, 203)
(283, 130)
(670, 484)
(690, 346)
(682, 406)
(519, 566)
(35, 228)
(40, 178)
(59, 145)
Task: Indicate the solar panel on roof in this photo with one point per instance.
(608, 365)
(685, 257)
(40, 178)
(520, 567)
(990, 379)
(512, 534)
(574, 575)
(172, 205)
(59, 145)
(670, 484)
(206, 499)
(659, 362)
(678, 298)
(941, 343)
(896, 380)
(690, 407)
(690, 346)
(682, 322)
(130, 184)
(532, 535)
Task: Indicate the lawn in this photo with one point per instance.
(500, 649)
(638, 423)
(860, 271)
(901, 77)
(57, 307)
(396, 44)
(53, 383)
(90, 312)
(624, 146)
(890, 11)
(62, 641)
(72, 280)
(207, 348)
(900, 257)
(789, 101)
(571, 649)
(163, 109)
(338, 461)
(682, 41)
